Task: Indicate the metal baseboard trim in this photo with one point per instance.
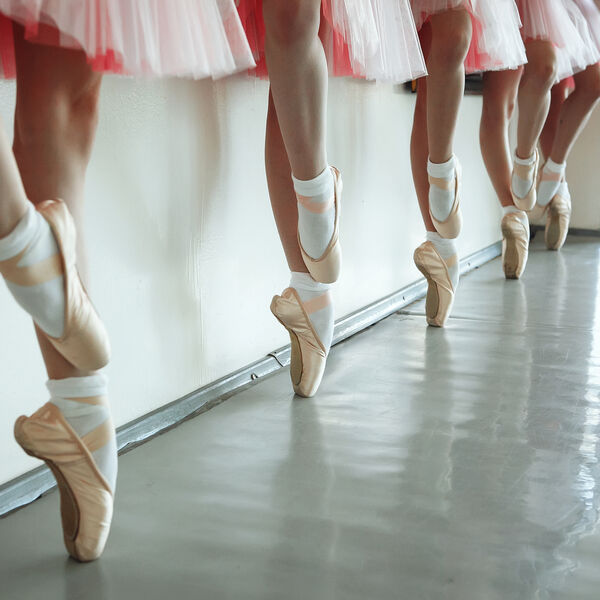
(32, 485)
(576, 231)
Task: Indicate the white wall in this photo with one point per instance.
(583, 170)
(184, 253)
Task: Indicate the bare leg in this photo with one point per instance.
(539, 75)
(281, 192)
(298, 74)
(450, 41)
(55, 123)
(576, 111)
(558, 95)
(499, 95)
(13, 201)
(445, 40)
(419, 151)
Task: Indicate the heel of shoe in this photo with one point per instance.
(326, 271)
(526, 204)
(88, 349)
(85, 341)
(21, 437)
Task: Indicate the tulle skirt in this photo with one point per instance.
(187, 38)
(591, 12)
(372, 39)
(496, 43)
(562, 23)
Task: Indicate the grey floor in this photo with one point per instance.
(458, 463)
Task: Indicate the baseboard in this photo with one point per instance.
(28, 487)
(576, 231)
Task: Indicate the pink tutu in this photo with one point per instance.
(591, 12)
(188, 38)
(497, 42)
(562, 23)
(373, 39)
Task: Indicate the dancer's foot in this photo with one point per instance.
(444, 197)
(558, 218)
(437, 259)
(38, 262)
(552, 176)
(524, 180)
(305, 309)
(75, 436)
(319, 206)
(515, 242)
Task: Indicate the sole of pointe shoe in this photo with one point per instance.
(432, 300)
(297, 366)
(510, 258)
(69, 509)
(438, 301)
(75, 539)
(553, 235)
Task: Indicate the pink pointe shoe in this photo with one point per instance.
(86, 499)
(440, 291)
(528, 173)
(84, 342)
(308, 358)
(451, 226)
(558, 217)
(326, 268)
(515, 246)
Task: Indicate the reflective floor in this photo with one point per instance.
(434, 464)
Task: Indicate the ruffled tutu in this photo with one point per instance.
(373, 39)
(562, 23)
(496, 43)
(591, 12)
(187, 38)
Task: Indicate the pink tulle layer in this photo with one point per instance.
(562, 23)
(496, 42)
(188, 38)
(372, 39)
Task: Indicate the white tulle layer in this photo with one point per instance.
(497, 42)
(381, 36)
(191, 38)
(562, 23)
(591, 12)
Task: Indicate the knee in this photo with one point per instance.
(450, 46)
(58, 116)
(497, 110)
(291, 21)
(543, 71)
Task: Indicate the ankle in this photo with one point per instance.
(443, 170)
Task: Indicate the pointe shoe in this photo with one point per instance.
(308, 357)
(451, 226)
(326, 269)
(440, 291)
(84, 342)
(515, 246)
(527, 173)
(86, 500)
(558, 217)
